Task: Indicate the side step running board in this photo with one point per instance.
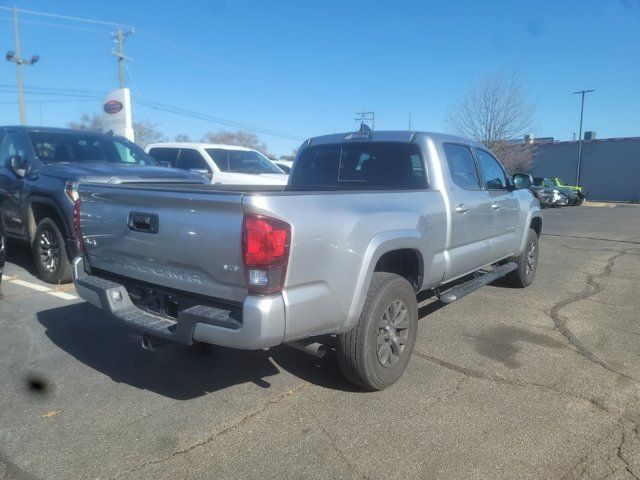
(465, 288)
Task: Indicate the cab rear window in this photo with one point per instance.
(360, 165)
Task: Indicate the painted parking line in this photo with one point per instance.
(32, 286)
(41, 288)
(63, 295)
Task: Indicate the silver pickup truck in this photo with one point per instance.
(368, 220)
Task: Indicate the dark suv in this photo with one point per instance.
(2, 248)
(40, 169)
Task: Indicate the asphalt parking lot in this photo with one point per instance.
(506, 383)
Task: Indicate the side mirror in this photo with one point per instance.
(522, 180)
(202, 171)
(17, 164)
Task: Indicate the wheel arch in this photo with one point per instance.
(387, 252)
(42, 207)
(534, 220)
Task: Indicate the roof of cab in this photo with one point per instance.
(33, 128)
(197, 145)
(385, 136)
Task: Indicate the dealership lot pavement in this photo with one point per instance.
(506, 383)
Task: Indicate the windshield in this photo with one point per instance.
(242, 161)
(54, 147)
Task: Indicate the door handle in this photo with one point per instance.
(462, 208)
(495, 206)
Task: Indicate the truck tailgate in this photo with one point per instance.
(183, 240)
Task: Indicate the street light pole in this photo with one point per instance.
(581, 92)
(16, 58)
(23, 115)
(120, 37)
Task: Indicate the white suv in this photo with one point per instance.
(222, 164)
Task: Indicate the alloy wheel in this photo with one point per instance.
(49, 251)
(531, 258)
(393, 332)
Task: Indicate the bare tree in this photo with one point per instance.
(145, 131)
(291, 156)
(88, 122)
(239, 138)
(496, 113)
(183, 138)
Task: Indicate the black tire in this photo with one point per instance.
(527, 262)
(361, 358)
(50, 253)
(580, 201)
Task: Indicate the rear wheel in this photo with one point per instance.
(375, 353)
(527, 263)
(50, 253)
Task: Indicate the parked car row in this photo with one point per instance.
(40, 169)
(553, 193)
(221, 164)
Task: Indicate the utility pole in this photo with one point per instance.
(19, 61)
(581, 92)
(120, 36)
(363, 117)
(409, 121)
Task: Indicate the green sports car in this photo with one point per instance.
(581, 193)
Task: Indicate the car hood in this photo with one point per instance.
(111, 173)
(254, 179)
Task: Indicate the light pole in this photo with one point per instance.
(19, 61)
(581, 92)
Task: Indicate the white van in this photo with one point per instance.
(222, 164)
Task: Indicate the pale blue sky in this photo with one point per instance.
(304, 68)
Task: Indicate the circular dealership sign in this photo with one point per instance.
(112, 106)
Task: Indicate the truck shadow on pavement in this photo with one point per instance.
(19, 254)
(174, 371)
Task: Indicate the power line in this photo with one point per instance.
(135, 84)
(58, 25)
(85, 95)
(65, 17)
(55, 89)
(55, 94)
(218, 120)
(13, 102)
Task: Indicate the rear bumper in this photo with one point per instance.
(260, 324)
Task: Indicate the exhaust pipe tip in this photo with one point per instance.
(321, 350)
(312, 348)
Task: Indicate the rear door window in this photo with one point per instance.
(360, 165)
(462, 167)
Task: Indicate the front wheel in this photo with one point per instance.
(50, 253)
(527, 262)
(375, 353)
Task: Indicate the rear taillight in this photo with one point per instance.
(265, 253)
(77, 231)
